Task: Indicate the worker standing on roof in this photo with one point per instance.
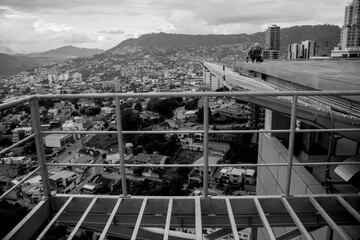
(254, 53)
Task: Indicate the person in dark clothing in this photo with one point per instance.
(254, 53)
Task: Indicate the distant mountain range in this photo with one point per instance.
(11, 64)
(326, 36)
(66, 52)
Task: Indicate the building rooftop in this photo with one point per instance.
(62, 175)
(317, 74)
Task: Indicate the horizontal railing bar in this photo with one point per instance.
(15, 102)
(331, 195)
(201, 165)
(18, 143)
(124, 132)
(180, 94)
(19, 183)
(201, 131)
(197, 94)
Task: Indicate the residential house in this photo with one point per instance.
(21, 133)
(14, 166)
(198, 172)
(64, 181)
(238, 175)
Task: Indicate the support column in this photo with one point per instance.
(36, 125)
(206, 145)
(120, 146)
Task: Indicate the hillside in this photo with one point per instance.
(327, 36)
(66, 52)
(15, 64)
(12, 64)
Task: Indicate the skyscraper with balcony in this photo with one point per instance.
(272, 43)
(349, 45)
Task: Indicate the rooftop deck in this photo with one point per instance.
(324, 75)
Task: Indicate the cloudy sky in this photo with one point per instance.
(39, 25)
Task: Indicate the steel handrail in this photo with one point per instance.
(37, 132)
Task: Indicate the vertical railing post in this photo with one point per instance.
(291, 144)
(120, 146)
(36, 126)
(206, 145)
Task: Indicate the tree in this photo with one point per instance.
(130, 120)
(11, 214)
(200, 114)
(82, 111)
(47, 103)
(138, 106)
(75, 113)
(138, 171)
(176, 185)
(192, 104)
(165, 107)
(93, 111)
(5, 142)
(106, 124)
(127, 104)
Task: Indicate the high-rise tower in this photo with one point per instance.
(350, 33)
(272, 38)
(272, 42)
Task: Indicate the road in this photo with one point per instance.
(71, 155)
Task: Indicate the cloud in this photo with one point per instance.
(4, 49)
(35, 5)
(118, 31)
(216, 16)
(89, 22)
(169, 29)
(103, 38)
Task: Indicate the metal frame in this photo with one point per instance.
(329, 220)
(297, 220)
(200, 219)
(197, 212)
(37, 130)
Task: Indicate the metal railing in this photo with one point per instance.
(37, 135)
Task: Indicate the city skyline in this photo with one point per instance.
(38, 26)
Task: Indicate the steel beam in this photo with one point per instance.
(201, 131)
(232, 219)
(76, 228)
(35, 120)
(291, 144)
(264, 219)
(329, 220)
(120, 146)
(30, 224)
(110, 220)
(139, 218)
(349, 208)
(198, 219)
(296, 220)
(42, 234)
(206, 146)
(168, 220)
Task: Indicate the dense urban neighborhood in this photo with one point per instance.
(149, 72)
